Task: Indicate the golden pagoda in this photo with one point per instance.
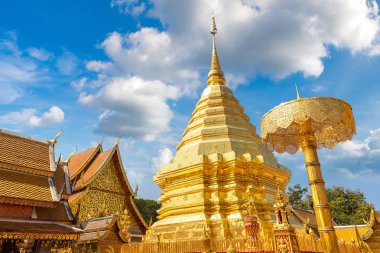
(219, 165)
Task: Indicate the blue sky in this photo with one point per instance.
(134, 70)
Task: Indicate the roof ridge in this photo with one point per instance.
(98, 148)
(102, 218)
(18, 135)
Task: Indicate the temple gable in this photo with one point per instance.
(107, 179)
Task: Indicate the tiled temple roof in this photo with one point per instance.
(98, 223)
(25, 154)
(79, 161)
(304, 215)
(94, 167)
(37, 230)
(348, 232)
(99, 228)
(59, 178)
(17, 186)
(59, 213)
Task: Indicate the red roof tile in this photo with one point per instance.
(79, 161)
(92, 169)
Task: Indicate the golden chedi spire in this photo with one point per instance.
(215, 76)
(218, 157)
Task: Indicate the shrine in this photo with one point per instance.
(80, 203)
(223, 191)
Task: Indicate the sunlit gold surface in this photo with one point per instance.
(331, 121)
(220, 155)
(306, 124)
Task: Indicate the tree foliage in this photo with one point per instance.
(347, 207)
(148, 208)
(299, 197)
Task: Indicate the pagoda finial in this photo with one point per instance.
(215, 76)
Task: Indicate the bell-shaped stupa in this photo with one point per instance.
(219, 165)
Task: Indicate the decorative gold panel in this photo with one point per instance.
(99, 204)
(107, 179)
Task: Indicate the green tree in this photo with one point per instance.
(148, 208)
(347, 207)
(299, 197)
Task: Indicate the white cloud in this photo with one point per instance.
(39, 53)
(28, 117)
(151, 55)
(16, 71)
(135, 175)
(79, 84)
(67, 63)
(316, 88)
(133, 7)
(362, 174)
(163, 158)
(132, 107)
(275, 38)
(97, 66)
(369, 147)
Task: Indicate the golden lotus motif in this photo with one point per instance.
(331, 122)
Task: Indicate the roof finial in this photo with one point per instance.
(215, 76)
(72, 154)
(298, 94)
(55, 140)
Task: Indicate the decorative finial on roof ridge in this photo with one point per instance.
(72, 154)
(135, 192)
(55, 140)
(101, 141)
(298, 94)
(215, 76)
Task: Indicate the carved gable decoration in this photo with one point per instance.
(98, 203)
(107, 178)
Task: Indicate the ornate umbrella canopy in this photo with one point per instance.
(331, 121)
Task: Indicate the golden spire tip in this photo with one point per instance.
(216, 74)
(213, 29)
(298, 94)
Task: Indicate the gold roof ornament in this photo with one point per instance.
(72, 154)
(308, 124)
(215, 76)
(55, 140)
(135, 192)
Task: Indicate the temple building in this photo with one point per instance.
(222, 185)
(82, 203)
(34, 214)
(100, 189)
(221, 171)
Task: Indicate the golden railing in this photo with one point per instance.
(218, 245)
(306, 243)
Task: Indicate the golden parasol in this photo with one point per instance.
(308, 124)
